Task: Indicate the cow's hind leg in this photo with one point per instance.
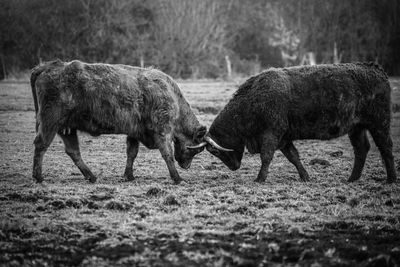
(359, 140)
(268, 147)
(42, 141)
(72, 149)
(384, 143)
(132, 148)
(291, 153)
(164, 143)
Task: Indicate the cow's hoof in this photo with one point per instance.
(92, 179)
(352, 179)
(129, 177)
(305, 178)
(178, 181)
(38, 180)
(391, 181)
(258, 180)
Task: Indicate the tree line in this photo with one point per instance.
(197, 39)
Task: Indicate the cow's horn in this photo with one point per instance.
(214, 144)
(202, 144)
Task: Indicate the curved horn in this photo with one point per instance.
(214, 144)
(202, 144)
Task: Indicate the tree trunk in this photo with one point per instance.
(38, 54)
(336, 58)
(228, 67)
(3, 67)
(313, 60)
(141, 61)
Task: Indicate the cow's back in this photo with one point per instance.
(327, 81)
(104, 98)
(326, 101)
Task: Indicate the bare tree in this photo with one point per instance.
(189, 32)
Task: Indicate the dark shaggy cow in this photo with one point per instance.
(271, 110)
(145, 104)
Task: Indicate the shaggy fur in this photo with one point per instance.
(277, 106)
(145, 104)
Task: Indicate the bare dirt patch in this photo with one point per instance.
(217, 218)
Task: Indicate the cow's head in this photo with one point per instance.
(230, 157)
(186, 147)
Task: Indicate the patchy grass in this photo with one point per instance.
(217, 218)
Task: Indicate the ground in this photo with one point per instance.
(216, 218)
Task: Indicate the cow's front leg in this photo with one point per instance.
(268, 147)
(132, 148)
(164, 143)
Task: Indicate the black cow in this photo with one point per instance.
(271, 110)
(145, 104)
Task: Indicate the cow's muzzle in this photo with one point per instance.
(185, 165)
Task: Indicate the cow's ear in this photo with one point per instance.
(199, 133)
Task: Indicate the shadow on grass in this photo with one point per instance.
(335, 243)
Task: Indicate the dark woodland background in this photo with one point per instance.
(199, 39)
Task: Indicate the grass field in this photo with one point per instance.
(217, 218)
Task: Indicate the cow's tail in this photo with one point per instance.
(34, 75)
(36, 71)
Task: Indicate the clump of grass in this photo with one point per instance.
(56, 204)
(171, 200)
(153, 191)
(101, 196)
(117, 205)
(336, 154)
(74, 203)
(319, 161)
(389, 203)
(353, 202)
(93, 205)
